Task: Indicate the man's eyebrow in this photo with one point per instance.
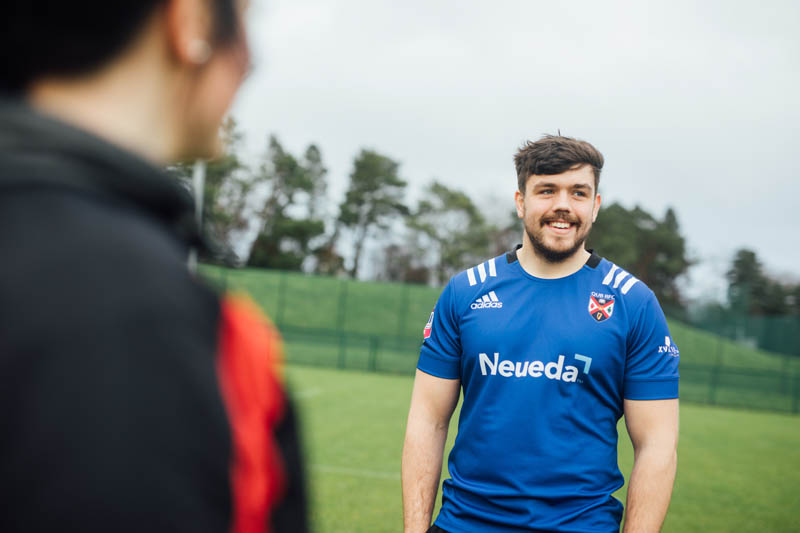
(555, 186)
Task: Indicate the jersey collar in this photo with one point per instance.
(592, 262)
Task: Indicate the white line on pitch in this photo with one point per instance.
(358, 472)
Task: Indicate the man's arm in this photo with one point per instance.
(653, 428)
(432, 403)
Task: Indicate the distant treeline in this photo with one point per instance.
(284, 199)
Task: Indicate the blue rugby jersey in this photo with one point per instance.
(544, 365)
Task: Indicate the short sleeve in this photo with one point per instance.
(651, 367)
(440, 355)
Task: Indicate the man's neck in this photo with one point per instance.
(124, 104)
(536, 265)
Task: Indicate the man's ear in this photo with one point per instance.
(597, 202)
(188, 30)
(519, 201)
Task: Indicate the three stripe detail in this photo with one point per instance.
(619, 278)
(482, 272)
(615, 275)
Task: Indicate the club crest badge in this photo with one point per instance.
(601, 307)
(428, 327)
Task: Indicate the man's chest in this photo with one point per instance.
(567, 334)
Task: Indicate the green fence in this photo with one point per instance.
(378, 327)
(779, 334)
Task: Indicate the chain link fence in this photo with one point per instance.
(378, 327)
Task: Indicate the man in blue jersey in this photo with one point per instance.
(551, 344)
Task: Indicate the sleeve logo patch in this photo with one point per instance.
(428, 327)
(668, 348)
(601, 306)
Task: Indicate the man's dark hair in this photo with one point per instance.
(74, 37)
(554, 154)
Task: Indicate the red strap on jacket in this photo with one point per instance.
(250, 350)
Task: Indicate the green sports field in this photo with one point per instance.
(739, 471)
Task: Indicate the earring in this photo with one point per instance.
(199, 51)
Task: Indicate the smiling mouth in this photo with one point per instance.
(558, 224)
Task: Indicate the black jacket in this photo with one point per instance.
(113, 417)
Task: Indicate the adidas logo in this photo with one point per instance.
(488, 301)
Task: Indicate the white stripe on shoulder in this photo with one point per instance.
(610, 274)
(482, 272)
(492, 270)
(471, 276)
(628, 284)
(622, 275)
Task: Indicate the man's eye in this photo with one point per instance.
(580, 193)
(546, 191)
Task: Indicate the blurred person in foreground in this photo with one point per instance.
(551, 344)
(134, 398)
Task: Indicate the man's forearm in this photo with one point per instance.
(421, 471)
(649, 491)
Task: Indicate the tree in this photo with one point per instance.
(747, 284)
(761, 307)
(751, 291)
(317, 186)
(373, 199)
(227, 190)
(329, 261)
(401, 263)
(652, 250)
(288, 222)
(506, 234)
(793, 300)
(451, 228)
(664, 259)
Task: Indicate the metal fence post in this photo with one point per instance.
(403, 311)
(340, 321)
(340, 363)
(785, 378)
(373, 353)
(713, 382)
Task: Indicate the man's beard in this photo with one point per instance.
(549, 254)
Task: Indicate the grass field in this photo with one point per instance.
(739, 471)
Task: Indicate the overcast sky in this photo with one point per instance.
(693, 104)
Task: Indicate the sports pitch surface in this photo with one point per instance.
(737, 470)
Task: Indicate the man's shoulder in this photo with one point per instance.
(620, 282)
(473, 282)
(480, 274)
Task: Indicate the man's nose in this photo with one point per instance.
(562, 201)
